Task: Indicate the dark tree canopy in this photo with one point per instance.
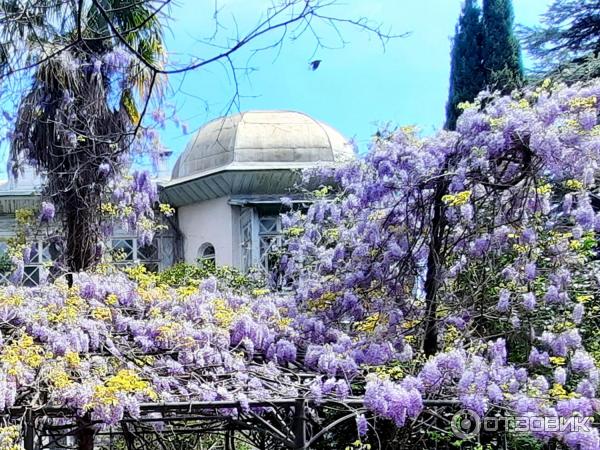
(501, 51)
(485, 54)
(467, 77)
(567, 44)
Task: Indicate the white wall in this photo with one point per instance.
(209, 221)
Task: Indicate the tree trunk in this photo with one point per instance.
(81, 236)
(434, 264)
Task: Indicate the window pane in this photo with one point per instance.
(34, 255)
(268, 225)
(149, 252)
(31, 276)
(209, 252)
(151, 267)
(46, 253)
(123, 249)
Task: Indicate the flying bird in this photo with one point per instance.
(314, 65)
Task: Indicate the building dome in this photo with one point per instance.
(261, 140)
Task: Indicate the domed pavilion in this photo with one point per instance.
(228, 183)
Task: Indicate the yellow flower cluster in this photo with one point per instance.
(284, 322)
(15, 299)
(393, 372)
(574, 185)
(123, 382)
(24, 216)
(545, 86)
(558, 391)
(166, 209)
(494, 123)
(59, 378)
(101, 313)
(142, 276)
(333, 234)
(185, 291)
(573, 124)
(168, 331)
(463, 106)
(583, 102)
(20, 353)
(72, 359)
(544, 189)
(358, 445)
(112, 299)
(323, 302)
(223, 314)
(109, 209)
(559, 328)
(457, 199)
(259, 292)
(451, 336)
(584, 298)
(294, 231)
(146, 224)
(9, 436)
(68, 313)
(369, 324)
(323, 192)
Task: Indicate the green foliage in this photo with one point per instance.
(183, 274)
(566, 45)
(524, 441)
(5, 263)
(501, 52)
(485, 53)
(467, 77)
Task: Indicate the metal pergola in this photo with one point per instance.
(271, 424)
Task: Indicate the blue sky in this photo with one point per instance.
(356, 88)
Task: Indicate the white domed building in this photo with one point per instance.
(228, 183)
(226, 188)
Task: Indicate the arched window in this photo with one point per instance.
(206, 254)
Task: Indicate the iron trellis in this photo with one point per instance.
(277, 424)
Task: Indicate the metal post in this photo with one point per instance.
(128, 436)
(299, 424)
(263, 441)
(85, 433)
(29, 441)
(229, 440)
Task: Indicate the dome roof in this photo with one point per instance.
(261, 139)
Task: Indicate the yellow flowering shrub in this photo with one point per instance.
(574, 185)
(457, 199)
(123, 382)
(21, 353)
(9, 437)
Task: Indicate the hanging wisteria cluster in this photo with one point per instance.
(108, 343)
(475, 247)
(457, 267)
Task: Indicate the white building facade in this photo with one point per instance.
(226, 188)
(228, 183)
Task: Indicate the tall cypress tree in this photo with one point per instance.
(467, 75)
(501, 51)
